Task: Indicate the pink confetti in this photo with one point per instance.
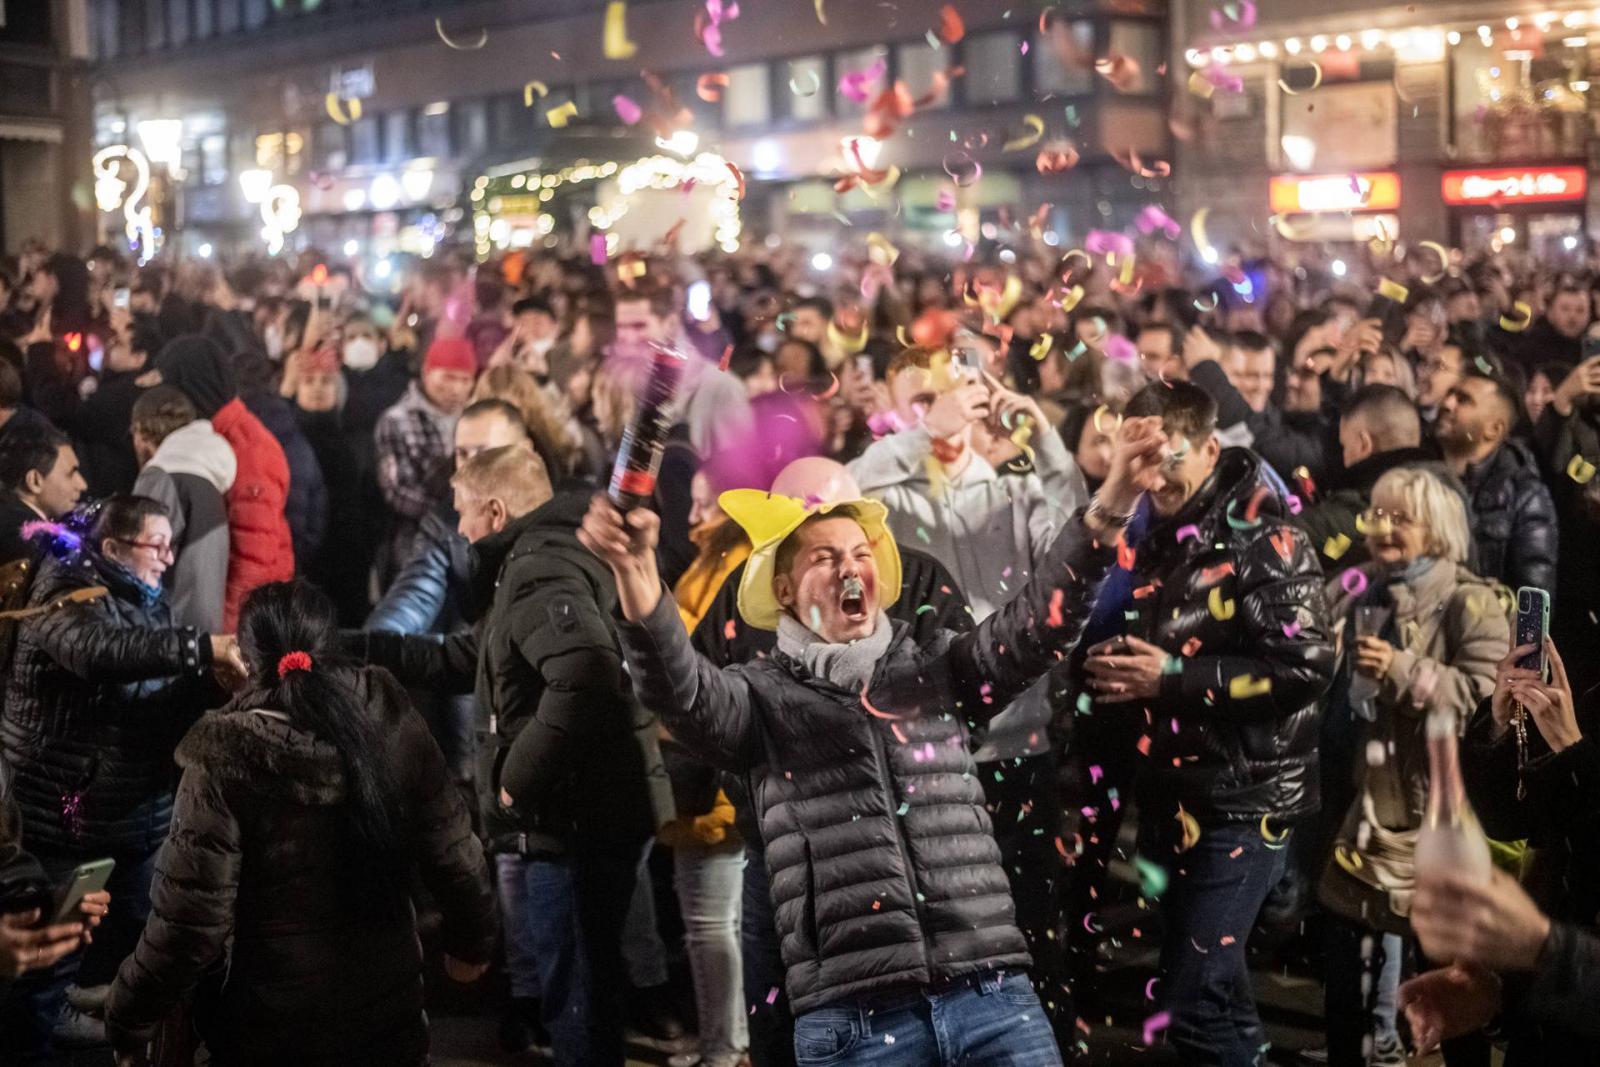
(1291, 630)
(1235, 15)
(1154, 1025)
(1096, 772)
(1223, 78)
(1152, 218)
(1120, 349)
(946, 200)
(628, 111)
(1186, 532)
(597, 255)
(858, 84)
(1106, 243)
(1150, 989)
(1353, 582)
(772, 995)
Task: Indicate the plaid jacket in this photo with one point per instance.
(413, 442)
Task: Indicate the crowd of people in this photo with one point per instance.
(318, 620)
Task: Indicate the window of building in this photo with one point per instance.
(1063, 59)
(862, 61)
(806, 91)
(214, 159)
(397, 137)
(177, 22)
(255, 13)
(155, 24)
(916, 64)
(1514, 98)
(330, 151)
(366, 140)
(204, 23)
(107, 29)
(228, 16)
(433, 130)
(471, 127)
(994, 67)
(1140, 42)
(747, 101)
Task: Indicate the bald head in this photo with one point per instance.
(1379, 418)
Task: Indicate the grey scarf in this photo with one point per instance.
(849, 665)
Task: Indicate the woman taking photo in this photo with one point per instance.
(303, 808)
(1421, 632)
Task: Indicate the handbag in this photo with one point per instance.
(1372, 885)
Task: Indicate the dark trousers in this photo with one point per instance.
(576, 908)
(771, 1021)
(36, 1000)
(1214, 891)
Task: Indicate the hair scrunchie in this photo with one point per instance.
(294, 661)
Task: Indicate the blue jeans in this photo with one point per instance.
(1211, 903)
(992, 1020)
(566, 933)
(36, 1000)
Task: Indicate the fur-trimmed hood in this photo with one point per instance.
(259, 750)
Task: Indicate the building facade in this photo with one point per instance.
(44, 123)
(386, 117)
(1471, 124)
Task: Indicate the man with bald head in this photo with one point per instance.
(1379, 430)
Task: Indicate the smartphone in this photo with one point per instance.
(120, 298)
(1591, 347)
(1533, 622)
(864, 366)
(700, 301)
(88, 878)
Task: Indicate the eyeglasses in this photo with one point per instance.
(1376, 517)
(163, 550)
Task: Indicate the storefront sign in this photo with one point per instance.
(1515, 185)
(1293, 194)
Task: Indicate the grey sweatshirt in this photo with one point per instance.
(191, 472)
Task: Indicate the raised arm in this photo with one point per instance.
(708, 710)
(79, 639)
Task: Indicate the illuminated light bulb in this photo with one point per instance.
(1292, 46)
(1370, 39)
(1343, 41)
(1454, 37)
(1319, 43)
(1268, 50)
(1245, 53)
(1338, 268)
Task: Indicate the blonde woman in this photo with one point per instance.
(549, 422)
(1420, 632)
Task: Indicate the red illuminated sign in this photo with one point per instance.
(1515, 185)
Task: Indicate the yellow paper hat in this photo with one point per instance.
(769, 518)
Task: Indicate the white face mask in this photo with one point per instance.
(542, 346)
(361, 353)
(272, 337)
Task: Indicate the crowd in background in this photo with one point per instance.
(358, 523)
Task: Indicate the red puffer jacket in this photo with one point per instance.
(259, 550)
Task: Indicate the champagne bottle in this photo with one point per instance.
(633, 476)
(1450, 838)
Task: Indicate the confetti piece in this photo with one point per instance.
(628, 111)
(822, 16)
(970, 170)
(1222, 610)
(772, 995)
(1121, 71)
(1150, 988)
(1034, 135)
(1291, 630)
(1187, 532)
(1353, 582)
(1152, 218)
(558, 117)
(858, 84)
(951, 28)
(1201, 86)
(533, 88)
(1580, 470)
(1126, 554)
(1316, 79)
(738, 176)
(1269, 837)
(1523, 320)
(1056, 160)
(1236, 15)
(1152, 878)
(727, 358)
(1393, 290)
(1107, 243)
(614, 39)
(1190, 827)
(1245, 686)
(806, 86)
(709, 87)
(1336, 546)
(483, 38)
(1283, 543)
(1041, 346)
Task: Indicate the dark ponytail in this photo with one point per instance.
(295, 620)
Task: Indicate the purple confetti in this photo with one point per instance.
(1154, 1025)
(1106, 243)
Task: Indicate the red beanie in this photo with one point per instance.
(451, 353)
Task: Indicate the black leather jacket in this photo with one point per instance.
(1239, 604)
(1513, 519)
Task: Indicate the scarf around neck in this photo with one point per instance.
(848, 665)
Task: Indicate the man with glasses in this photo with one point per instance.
(1213, 641)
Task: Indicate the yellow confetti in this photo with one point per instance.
(1221, 610)
(1348, 859)
(1197, 231)
(845, 343)
(1021, 434)
(822, 16)
(534, 87)
(1316, 80)
(1041, 348)
(1116, 423)
(630, 269)
(1035, 133)
(1523, 320)
(1190, 835)
(558, 117)
(615, 39)
(1393, 290)
(1201, 86)
(1580, 470)
(1071, 300)
(1245, 686)
(1337, 545)
(901, 336)
(1268, 836)
(880, 251)
(337, 109)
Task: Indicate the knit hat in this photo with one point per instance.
(451, 353)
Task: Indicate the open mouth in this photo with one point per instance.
(853, 599)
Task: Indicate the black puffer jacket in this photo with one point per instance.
(97, 698)
(255, 856)
(559, 728)
(1513, 519)
(1220, 744)
(884, 868)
